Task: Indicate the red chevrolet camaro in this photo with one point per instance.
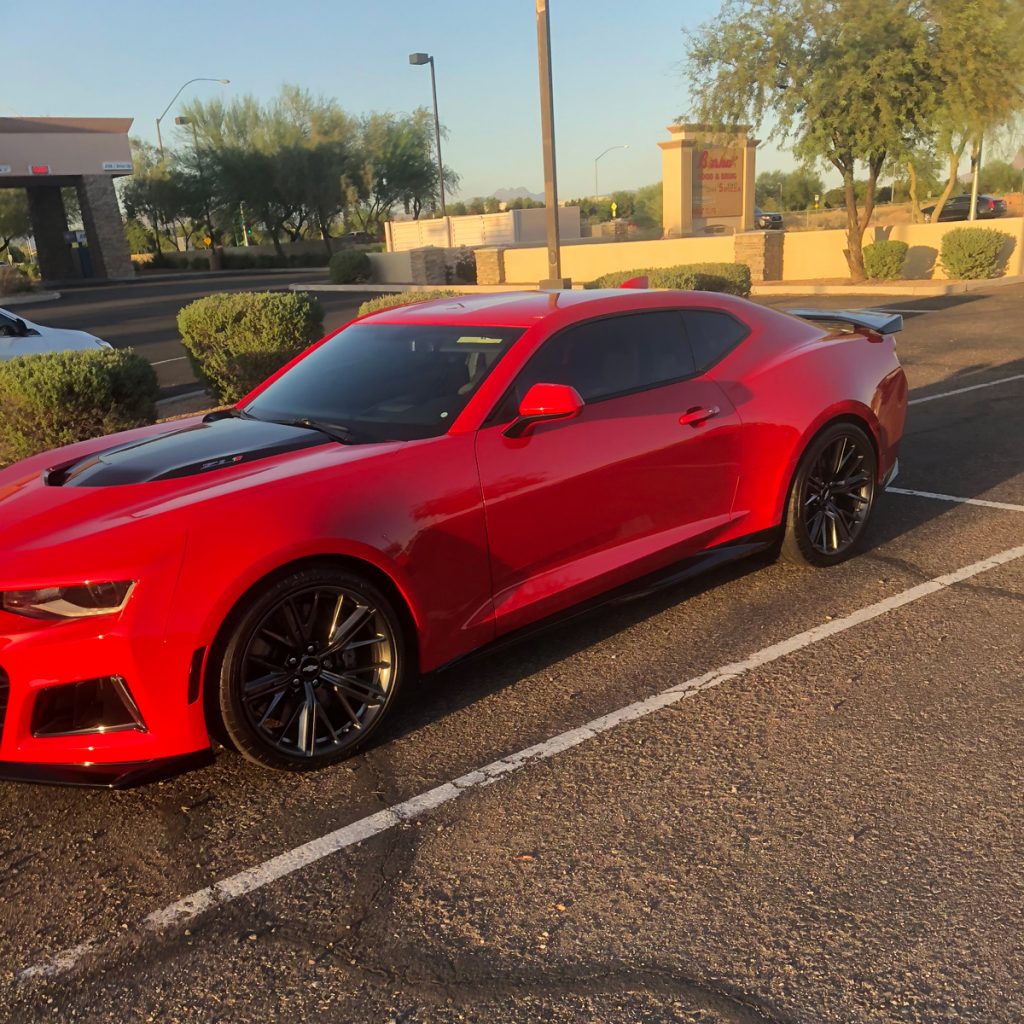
(423, 481)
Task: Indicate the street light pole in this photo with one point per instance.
(547, 121)
(975, 172)
(597, 190)
(426, 58)
(159, 140)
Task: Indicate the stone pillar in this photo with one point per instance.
(762, 252)
(749, 183)
(49, 222)
(490, 266)
(677, 183)
(428, 266)
(108, 245)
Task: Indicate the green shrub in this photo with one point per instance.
(13, 281)
(236, 340)
(733, 278)
(59, 398)
(403, 299)
(349, 265)
(972, 253)
(883, 261)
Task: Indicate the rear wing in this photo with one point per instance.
(865, 319)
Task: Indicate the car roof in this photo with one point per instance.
(522, 309)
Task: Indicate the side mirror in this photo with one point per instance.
(545, 402)
(21, 327)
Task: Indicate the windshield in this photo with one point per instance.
(388, 382)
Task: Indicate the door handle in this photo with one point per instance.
(698, 415)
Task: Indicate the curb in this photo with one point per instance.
(922, 290)
(28, 299)
(378, 289)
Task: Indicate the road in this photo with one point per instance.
(143, 315)
(821, 824)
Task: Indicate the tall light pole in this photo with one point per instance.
(975, 172)
(547, 124)
(426, 58)
(597, 191)
(159, 140)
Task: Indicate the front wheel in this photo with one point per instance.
(832, 497)
(310, 669)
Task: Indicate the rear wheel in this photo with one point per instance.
(832, 497)
(310, 669)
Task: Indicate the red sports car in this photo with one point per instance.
(423, 481)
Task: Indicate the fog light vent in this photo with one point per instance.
(5, 689)
(92, 705)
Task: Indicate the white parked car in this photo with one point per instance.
(21, 337)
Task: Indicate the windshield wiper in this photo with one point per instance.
(335, 431)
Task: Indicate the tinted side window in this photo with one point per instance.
(711, 335)
(611, 356)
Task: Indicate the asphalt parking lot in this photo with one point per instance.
(808, 812)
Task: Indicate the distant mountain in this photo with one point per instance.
(506, 194)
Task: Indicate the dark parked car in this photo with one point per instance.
(959, 208)
(767, 220)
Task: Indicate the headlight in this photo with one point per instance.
(73, 602)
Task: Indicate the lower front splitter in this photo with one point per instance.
(105, 776)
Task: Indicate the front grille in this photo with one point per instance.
(5, 689)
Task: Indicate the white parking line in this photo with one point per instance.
(260, 875)
(961, 391)
(983, 502)
(164, 362)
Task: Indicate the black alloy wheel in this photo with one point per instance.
(311, 669)
(832, 497)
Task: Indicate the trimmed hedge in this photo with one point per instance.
(403, 299)
(883, 261)
(348, 266)
(732, 278)
(972, 253)
(59, 398)
(236, 340)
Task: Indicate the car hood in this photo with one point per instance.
(48, 339)
(60, 510)
(214, 443)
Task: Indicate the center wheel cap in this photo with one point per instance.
(310, 668)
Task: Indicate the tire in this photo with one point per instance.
(310, 669)
(832, 497)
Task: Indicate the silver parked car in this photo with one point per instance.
(21, 337)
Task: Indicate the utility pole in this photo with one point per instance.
(975, 172)
(547, 120)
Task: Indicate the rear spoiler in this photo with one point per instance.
(866, 319)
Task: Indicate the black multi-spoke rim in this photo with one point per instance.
(317, 670)
(837, 495)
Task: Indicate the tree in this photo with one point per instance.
(846, 81)
(999, 176)
(14, 219)
(977, 63)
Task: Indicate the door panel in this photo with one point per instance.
(576, 507)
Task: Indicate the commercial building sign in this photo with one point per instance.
(5, 168)
(117, 165)
(717, 182)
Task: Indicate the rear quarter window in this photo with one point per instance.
(712, 335)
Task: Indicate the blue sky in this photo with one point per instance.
(617, 72)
